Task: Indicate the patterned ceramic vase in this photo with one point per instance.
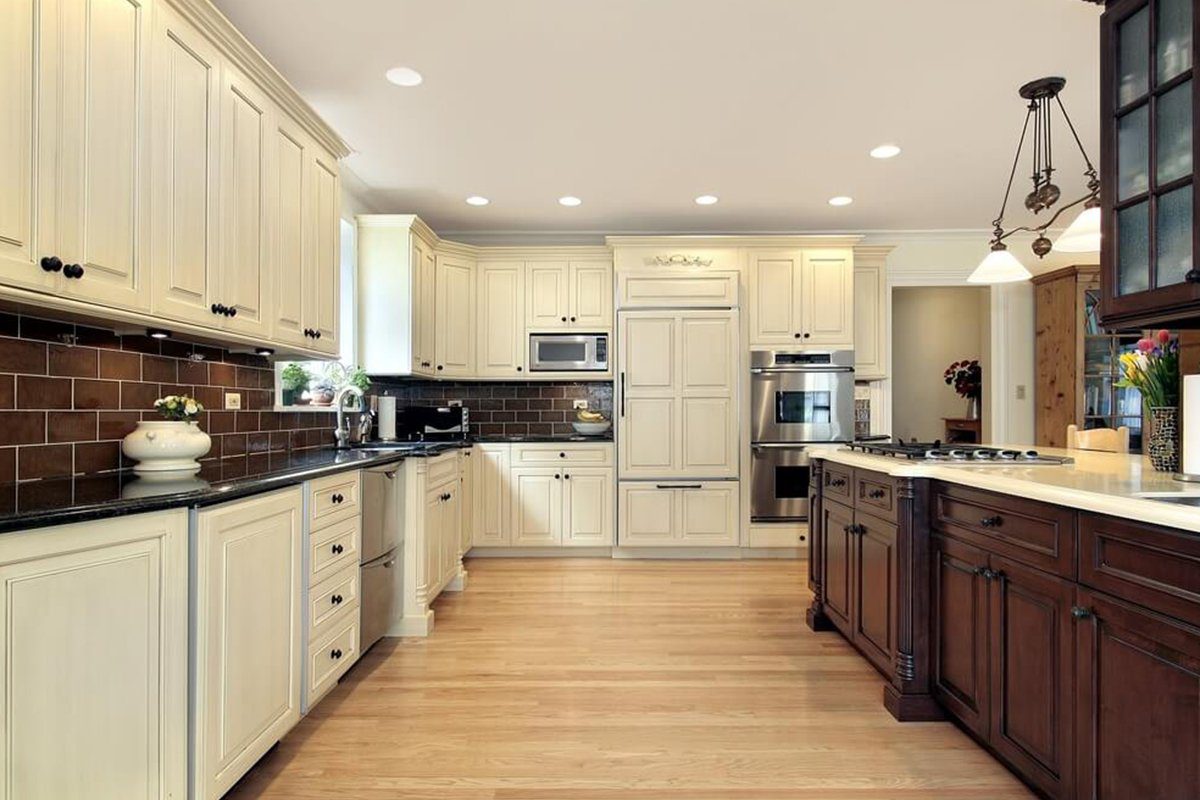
(1164, 438)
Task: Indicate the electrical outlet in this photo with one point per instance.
(454, 403)
(580, 405)
(1020, 391)
(233, 401)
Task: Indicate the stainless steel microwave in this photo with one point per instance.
(568, 352)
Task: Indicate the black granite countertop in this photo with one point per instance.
(59, 501)
(565, 438)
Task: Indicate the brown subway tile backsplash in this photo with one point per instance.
(69, 394)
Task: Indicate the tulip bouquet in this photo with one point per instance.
(1153, 369)
(178, 408)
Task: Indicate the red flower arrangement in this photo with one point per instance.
(966, 377)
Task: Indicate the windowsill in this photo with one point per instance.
(308, 408)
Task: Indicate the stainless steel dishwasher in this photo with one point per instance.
(382, 537)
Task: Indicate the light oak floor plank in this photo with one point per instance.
(596, 679)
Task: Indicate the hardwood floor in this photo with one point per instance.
(593, 679)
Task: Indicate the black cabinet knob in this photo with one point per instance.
(337, 549)
(335, 654)
(558, 477)
(52, 263)
(572, 319)
(566, 477)
(440, 367)
(1078, 612)
(562, 455)
(797, 336)
(1192, 276)
(564, 319)
(316, 334)
(980, 571)
(807, 335)
(218, 308)
(994, 521)
(72, 271)
(520, 369)
(231, 312)
(335, 599)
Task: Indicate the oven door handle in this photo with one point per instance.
(778, 446)
(799, 370)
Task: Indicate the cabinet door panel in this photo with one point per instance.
(828, 298)
(102, 175)
(648, 436)
(960, 631)
(870, 323)
(186, 141)
(293, 268)
(1138, 703)
(648, 355)
(451, 537)
(492, 496)
(708, 438)
(708, 515)
(425, 300)
(546, 301)
(649, 515)
(500, 349)
(591, 296)
(875, 574)
(1031, 662)
(326, 246)
(455, 317)
(707, 383)
(837, 564)
(774, 290)
(536, 506)
(19, 74)
(431, 550)
(588, 508)
(243, 279)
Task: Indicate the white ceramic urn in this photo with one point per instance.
(166, 447)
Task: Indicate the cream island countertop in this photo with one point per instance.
(1106, 483)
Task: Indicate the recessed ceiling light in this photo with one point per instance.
(885, 151)
(476, 200)
(404, 76)
(706, 200)
(841, 200)
(569, 200)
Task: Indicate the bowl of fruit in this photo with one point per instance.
(591, 423)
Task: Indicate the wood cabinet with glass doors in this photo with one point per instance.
(1148, 145)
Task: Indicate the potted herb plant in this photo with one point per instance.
(295, 380)
(168, 448)
(1153, 369)
(966, 377)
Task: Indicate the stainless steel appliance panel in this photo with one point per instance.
(568, 352)
(381, 585)
(802, 396)
(779, 482)
(381, 526)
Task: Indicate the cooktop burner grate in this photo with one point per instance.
(955, 453)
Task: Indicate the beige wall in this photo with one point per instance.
(931, 328)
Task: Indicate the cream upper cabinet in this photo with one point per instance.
(491, 506)
(93, 135)
(93, 659)
(325, 240)
(455, 316)
(801, 297)
(292, 265)
(591, 295)
(243, 283)
(828, 298)
(425, 299)
(587, 507)
(677, 394)
(248, 647)
(676, 514)
(536, 506)
(20, 74)
(547, 295)
(185, 99)
(870, 318)
(500, 318)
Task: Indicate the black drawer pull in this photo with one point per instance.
(837, 483)
(562, 455)
(877, 494)
(336, 599)
(337, 549)
(994, 521)
(1079, 612)
(335, 654)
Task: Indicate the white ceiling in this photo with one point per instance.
(637, 106)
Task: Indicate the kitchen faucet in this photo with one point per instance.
(341, 433)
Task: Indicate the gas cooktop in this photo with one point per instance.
(952, 453)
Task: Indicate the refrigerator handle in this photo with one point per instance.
(622, 394)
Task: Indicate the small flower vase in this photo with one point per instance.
(1164, 438)
(166, 449)
(972, 408)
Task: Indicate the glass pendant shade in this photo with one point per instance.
(1083, 235)
(1000, 266)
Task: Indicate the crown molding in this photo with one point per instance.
(735, 240)
(230, 41)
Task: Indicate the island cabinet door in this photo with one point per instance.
(1138, 703)
(959, 608)
(1031, 665)
(837, 566)
(875, 590)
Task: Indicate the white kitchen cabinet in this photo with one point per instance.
(590, 304)
(186, 136)
(537, 497)
(677, 513)
(569, 295)
(455, 316)
(587, 507)
(491, 505)
(397, 294)
(801, 297)
(325, 239)
(870, 313)
(247, 655)
(500, 317)
(93, 659)
(433, 511)
(562, 506)
(292, 265)
(424, 329)
(677, 394)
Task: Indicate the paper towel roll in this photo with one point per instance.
(1189, 402)
(387, 418)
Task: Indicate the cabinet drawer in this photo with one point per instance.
(837, 482)
(543, 455)
(1158, 568)
(334, 497)
(332, 549)
(1034, 533)
(328, 599)
(329, 658)
(875, 494)
(442, 468)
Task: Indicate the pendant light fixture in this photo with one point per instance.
(1001, 266)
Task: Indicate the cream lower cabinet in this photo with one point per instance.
(802, 297)
(678, 514)
(93, 660)
(492, 495)
(247, 654)
(562, 506)
(433, 512)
